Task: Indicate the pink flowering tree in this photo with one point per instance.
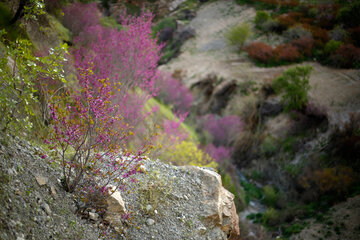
(129, 55)
(222, 129)
(173, 92)
(220, 154)
(87, 140)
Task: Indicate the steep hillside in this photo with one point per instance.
(277, 152)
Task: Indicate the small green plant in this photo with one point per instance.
(260, 18)
(269, 147)
(271, 217)
(168, 22)
(294, 83)
(332, 46)
(238, 35)
(271, 196)
(252, 192)
(295, 228)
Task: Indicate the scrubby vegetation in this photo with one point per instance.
(98, 104)
(93, 123)
(319, 24)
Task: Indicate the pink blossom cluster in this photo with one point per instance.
(128, 56)
(174, 92)
(222, 129)
(85, 123)
(219, 154)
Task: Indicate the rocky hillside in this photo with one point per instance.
(283, 134)
(276, 151)
(168, 202)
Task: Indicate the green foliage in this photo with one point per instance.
(170, 50)
(191, 4)
(20, 69)
(349, 14)
(63, 33)
(239, 34)
(237, 190)
(289, 144)
(165, 112)
(271, 217)
(269, 146)
(294, 83)
(294, 228)
(260, 18)
(332, 46)
(168, 22)
(110, 22)
(271, 196)
(252, 192)
(187, 153)
(255, 217)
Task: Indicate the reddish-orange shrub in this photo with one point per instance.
(319, 34)
(304, 45)
(289, 3)
(336, 180)
(306, 20)
(286, 52)
(271, 2)
(289, 19)
(260, 51)
(346, 56)
(327, 15)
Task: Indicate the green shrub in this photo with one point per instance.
(349, 14)
(110, 22)
(238, 35)
(295, 228)
(18, 94)
(260, 18)
(294, 83)
(236, 189)
(332, 46)
(252, 192)
(164, 23)
(271, 217)
(271, 196)
(269, 146)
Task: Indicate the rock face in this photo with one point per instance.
(213, 94)
(218, 203)
(115, 209)
(179, 203)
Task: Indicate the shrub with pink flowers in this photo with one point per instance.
(129, 56)
(173, 92)
(219, 154)
(87, 137)
(222, 129)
